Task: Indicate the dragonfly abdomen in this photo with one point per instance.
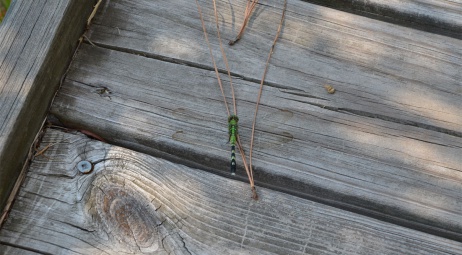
(233, 159)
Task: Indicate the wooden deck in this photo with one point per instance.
(374, 168)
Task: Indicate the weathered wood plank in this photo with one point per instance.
(134, 203)
(400, 173)
(441, 17)
(13, 250)
(379, 70)
(37, 40)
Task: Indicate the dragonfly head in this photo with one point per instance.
(233, 118)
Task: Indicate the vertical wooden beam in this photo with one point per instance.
(37, 41)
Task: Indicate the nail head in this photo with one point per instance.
(84, 166)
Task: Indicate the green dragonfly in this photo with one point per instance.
(232, 129)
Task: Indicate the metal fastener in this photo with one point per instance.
(85, 166)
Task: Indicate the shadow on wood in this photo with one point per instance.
(439, 17)
(384, 169)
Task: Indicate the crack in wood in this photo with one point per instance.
(25, 248)
(386, 118)
(187, 63)
(199, 213)
(372, 59)
(402, 121)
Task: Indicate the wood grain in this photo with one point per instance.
(379, 70)
(440, 17)
(399, 173)
(133, 203)
(37, 40)
(7, 249)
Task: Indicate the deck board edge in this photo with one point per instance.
(39, 39)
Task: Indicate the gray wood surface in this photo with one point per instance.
(396, 172)
(133, 203)
(7, 249)
(392, 73)
(379, 70)
(441, 17)
(37, 40)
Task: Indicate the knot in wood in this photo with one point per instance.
(126, 215)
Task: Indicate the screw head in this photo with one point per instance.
(85, 166)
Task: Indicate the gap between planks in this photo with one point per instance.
(137, 204)
(301, 148)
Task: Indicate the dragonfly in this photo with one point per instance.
(232, 129)
(233, 119)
